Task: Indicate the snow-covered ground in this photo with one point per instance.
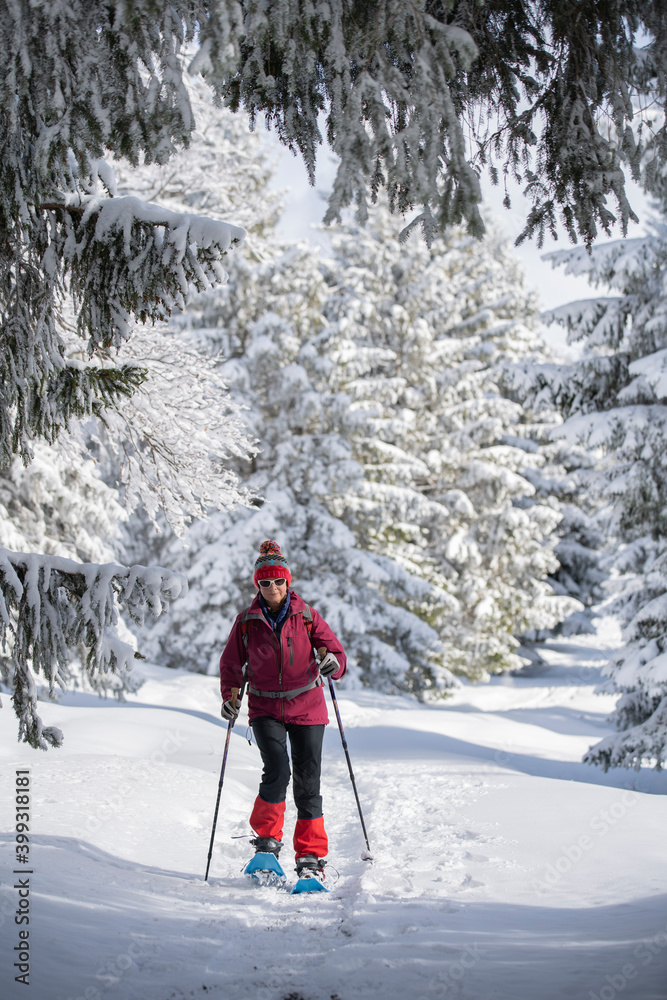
(504, 868)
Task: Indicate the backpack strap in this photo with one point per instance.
(307, 618)
(246, 618)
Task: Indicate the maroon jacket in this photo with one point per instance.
(280, 665)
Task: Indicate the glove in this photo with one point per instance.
(329, 665)
(230, 711)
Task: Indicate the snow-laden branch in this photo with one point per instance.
(123, 212)
(50, 606)
(118, 260)
(172, 441)
(126, 258)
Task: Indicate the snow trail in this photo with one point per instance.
(504, 868)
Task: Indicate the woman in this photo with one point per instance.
(276, 636)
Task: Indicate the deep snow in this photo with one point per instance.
(504, 868)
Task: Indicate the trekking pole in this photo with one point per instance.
(365, 856)
(230, 726)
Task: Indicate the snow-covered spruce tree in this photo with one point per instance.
(615, 402)
(169, 447)
(419, 337)
(562, 478)
(269, 326)
(78, 80)
(390, 460)
(78, 266)
(166, 450)
(165, 447)
(59, 610)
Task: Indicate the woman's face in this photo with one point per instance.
(274, 594)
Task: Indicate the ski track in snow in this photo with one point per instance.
(504, 868)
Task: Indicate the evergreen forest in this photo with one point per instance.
(181, 382)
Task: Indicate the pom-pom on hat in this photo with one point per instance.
(271, 564)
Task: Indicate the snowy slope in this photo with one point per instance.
(505, 869)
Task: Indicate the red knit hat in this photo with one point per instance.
(271, 564)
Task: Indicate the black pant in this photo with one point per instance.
(306, 751)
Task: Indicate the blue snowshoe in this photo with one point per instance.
(264, 868)
(310, 875)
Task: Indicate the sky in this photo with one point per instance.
(305, 206)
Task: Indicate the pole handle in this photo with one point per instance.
(235, 696)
